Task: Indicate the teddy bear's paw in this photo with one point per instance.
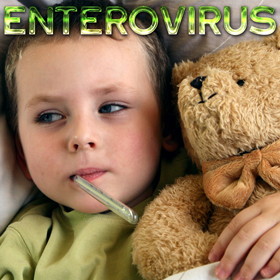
(169, 256)
(171, 235)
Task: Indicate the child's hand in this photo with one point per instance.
(254, 234)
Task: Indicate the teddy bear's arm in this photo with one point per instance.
(172, 236)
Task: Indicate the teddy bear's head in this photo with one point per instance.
(229, 101)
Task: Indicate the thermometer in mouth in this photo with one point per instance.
(114, 205)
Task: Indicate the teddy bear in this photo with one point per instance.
(229, 107)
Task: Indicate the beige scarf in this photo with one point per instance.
(230, 182)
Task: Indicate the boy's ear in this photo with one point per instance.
(21, 158)
(169, 143)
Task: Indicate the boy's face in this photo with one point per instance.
(87, 107)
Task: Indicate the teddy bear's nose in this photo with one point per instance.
(197, 82)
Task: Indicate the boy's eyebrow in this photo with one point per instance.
(102, 90)
(115, 87)
(43, 98)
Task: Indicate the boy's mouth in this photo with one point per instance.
(89, 174)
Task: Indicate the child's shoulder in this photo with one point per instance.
(33, 220)
(30, 228)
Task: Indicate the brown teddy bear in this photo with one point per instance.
(229, 105)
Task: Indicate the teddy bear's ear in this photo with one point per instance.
(274, 39)
(180, 72)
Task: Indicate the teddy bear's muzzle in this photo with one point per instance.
(197, 83)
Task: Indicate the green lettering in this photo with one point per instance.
(117, 21)
(143, 9)
(212, 22)
(66, 10)
(173, 30)
(8, 20)
(85, 20)
(243, 25)
(34, 13)
(191, 20)
(270, 21)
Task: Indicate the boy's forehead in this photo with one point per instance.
(84, 52)
(108, 42)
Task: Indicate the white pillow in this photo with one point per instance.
(207, 272)
(184, 46)
(15, 189)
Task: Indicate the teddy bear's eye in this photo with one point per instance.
(241, 82)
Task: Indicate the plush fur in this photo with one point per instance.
(229, 104)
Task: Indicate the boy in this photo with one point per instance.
(89, 106)
(92, 106)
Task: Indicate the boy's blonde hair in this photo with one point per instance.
(158, 62)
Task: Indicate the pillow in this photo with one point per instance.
(184, 46)
(15, 190)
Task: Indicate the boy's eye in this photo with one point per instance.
(48, 117)
(111, 108)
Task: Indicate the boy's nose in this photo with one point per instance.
(77, 144)
(81, 137)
